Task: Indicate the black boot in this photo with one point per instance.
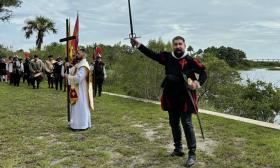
(190, 137)
(191, 159)
(177, 152)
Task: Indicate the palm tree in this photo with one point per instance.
(190, 49)
(41, 26)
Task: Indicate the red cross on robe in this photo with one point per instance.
(183, 62)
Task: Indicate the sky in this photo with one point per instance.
(250, 25)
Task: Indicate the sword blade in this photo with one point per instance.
(193, 103)
(130, 19)
(200, 126)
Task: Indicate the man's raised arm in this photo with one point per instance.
(159, 57)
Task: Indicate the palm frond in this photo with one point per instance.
(28, 34)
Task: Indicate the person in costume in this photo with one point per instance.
(91, 66)
(16, 71)
(49, 70)
(26, 70)
(81, 96)
(99, 75)
(175, 97)
(63, 73)
(21, 67)
(57, 70)
(3, 71)
(9, 68)
(36, 71)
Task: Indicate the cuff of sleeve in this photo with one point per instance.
(138, 45)
(197, 84)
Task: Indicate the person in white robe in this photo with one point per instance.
(80, 93)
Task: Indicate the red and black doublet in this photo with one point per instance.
(175, 96)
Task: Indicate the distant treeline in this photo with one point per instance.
(237, 58)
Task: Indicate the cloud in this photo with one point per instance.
(231, 3)
(268, 24)
(251, 25)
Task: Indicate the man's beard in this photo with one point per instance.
(178, 53)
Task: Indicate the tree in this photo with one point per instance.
(56, 49)
(41, 25)
(200, 51)
(5, 12)
(233, 57)
(220, 77)
(5, 51)
(190, 49)
(223, 91)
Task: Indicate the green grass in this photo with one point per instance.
(125, 133)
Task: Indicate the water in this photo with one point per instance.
(277, 119)
(265, 75)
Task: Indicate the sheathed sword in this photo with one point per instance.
(193, 103)
(132, 35)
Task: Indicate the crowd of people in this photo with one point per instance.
(30, 70)
(11, 70)
(33, 71)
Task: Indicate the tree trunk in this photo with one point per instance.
(39, 46)
(39, 40)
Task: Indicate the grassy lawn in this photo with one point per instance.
(125, 133)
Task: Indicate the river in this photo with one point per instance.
(265, 75)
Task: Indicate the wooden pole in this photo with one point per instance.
(67, 70)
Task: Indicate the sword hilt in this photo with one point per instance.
(132, 36)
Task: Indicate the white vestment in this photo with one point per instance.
(80, 117)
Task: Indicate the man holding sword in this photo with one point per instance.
(179, 91)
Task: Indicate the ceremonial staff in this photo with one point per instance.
(67, 39)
